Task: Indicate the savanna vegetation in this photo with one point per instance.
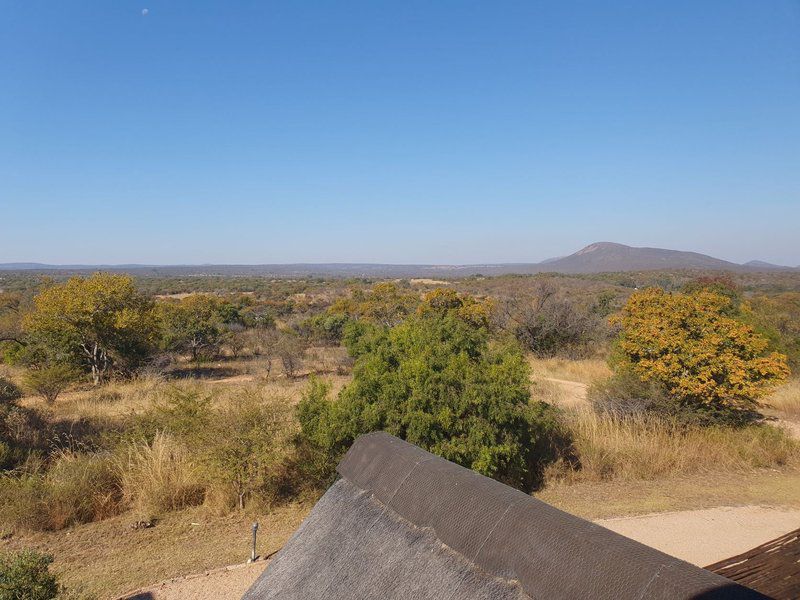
(136, 404)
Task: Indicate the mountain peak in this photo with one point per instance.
(611, 256)
(599, 247)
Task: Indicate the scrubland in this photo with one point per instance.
(159, 474)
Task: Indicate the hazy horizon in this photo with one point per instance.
(255, 264)
(423, 133)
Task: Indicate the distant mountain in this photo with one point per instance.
(599, 257)
(608, 256)
(765, 266)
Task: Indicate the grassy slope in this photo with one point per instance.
(109, 558)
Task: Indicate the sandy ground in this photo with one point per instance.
(701, 537)
(574, 392)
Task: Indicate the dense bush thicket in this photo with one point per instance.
(436, 381)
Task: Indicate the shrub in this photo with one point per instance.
(290, 349)
(701, 356)
(25, 575)
(326, 328)
(549, 324)
(50, 381)
(626, 394)
(244, 448)
(435, 381)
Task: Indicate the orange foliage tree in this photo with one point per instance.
(691, 345)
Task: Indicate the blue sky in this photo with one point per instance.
(406, 132)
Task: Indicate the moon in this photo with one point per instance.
(145, 12)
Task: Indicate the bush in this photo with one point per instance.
(291, 350)
(326, 329)
(549, 324)
(701, 356)
(435, 381)
(9, 392)
(244, 449)
(25, 575)
(625, 394)
(50, 381)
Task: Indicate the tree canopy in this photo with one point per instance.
(195, 323)
(99, 323)
(690, 344)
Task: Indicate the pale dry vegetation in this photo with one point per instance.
(641, 447)
(199, 447)
(586, 370)
(159, 476)
(786, 399)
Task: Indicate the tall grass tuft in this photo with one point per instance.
(159, 476)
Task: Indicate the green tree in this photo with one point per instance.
(99, 323)
(195, 324)
(436, 381)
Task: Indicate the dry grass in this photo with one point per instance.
(600, 500)
(159, 477)
(109, 558)
(786, 399)
(583, 371)
(117, 400)
(637, 448)
(77, 488)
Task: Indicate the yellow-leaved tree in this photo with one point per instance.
(692, 346)
(100, 323)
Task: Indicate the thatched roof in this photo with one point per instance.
(772, 568)
(402, 523)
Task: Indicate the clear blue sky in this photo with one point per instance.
(414, 131)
